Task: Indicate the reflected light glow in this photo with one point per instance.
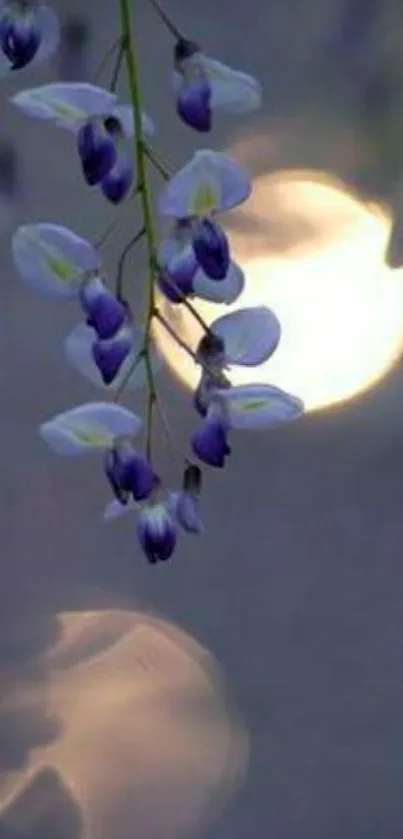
(315, 254)
(148, 745)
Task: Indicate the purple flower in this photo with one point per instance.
(211, 248)
(29, 33)
(209, 441)
(156, 532)
(117, 182)
(97, 151)
(128, 473)
(203, 86)
(19, 39)
(104, 312)
(184, 505)
(176, 276)
(193, 104)
(109, 355)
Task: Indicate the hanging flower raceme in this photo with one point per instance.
(102, 127)
(29, 33)
(210, 183)
(204, 86)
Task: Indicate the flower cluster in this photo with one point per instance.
(111, 345)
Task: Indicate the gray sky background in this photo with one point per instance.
(296, 587)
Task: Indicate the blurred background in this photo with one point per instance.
(287, 718)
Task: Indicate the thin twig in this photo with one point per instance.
(185, 302)
(161, 168)
(166, 427)
(106, 233)
(117, 68)
(101, 67)
(181, 343)
(130, 370)
(121, 264)
(165, 20)
(151, 400)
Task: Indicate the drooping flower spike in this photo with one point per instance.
(109, 349)
(210, 183)
(29, 33)
(102, 125)
(204, 86)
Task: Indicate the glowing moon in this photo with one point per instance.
(315, 254)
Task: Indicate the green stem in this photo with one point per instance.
(144, 195)
(125, 253)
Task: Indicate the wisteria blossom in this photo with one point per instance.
(103, 128)
(52, 259)
(112, 344)
(210, 183)
(29, 33)
(181, 274)
(203, 86)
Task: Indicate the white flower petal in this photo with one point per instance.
(88, 428)
(224, 291)
(115, 510)
(250, 335)
(210, 182)
(78, 351)
(52, 259)
(124, 113)
(67, 104)
(230, 89)
(48, 24)
(259, 406)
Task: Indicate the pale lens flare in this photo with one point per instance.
(147, 743)
(315, 254)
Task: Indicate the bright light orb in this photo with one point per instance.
(315, 254)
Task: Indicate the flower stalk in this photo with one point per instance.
(145, 199)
